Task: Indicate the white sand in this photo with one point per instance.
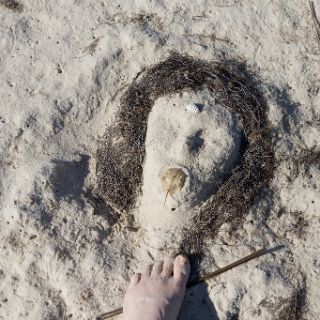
(57, 95)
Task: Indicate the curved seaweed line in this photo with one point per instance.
(120, 158)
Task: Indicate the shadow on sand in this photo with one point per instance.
(198, 305)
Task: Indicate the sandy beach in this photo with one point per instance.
(133, 129)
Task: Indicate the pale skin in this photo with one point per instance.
(157, 294)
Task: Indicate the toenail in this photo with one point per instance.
(182, 260)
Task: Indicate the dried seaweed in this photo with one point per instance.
(307, 159)
(92, 47)
(121, 154)
(12, 5)
(293, 307)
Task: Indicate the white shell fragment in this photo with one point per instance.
(193, 108)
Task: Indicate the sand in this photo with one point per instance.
(64, 66)
(180, 139)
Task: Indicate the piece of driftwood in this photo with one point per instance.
(199, 280)
(315, 20)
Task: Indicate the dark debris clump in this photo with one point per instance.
(12, 5)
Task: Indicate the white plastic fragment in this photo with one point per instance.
(193, 108)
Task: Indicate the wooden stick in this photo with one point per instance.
(315, 20)
(226, 268)
(110, 314)
(199, 280)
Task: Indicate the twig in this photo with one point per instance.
(226, 268)
(204, 278)
(315, 20)
(92, 47)
(110, 314)
(211, 37)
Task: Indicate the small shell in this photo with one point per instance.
(193, 108)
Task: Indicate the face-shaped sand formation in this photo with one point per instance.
(177, 170)
(187, 156)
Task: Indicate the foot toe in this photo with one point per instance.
(168, 267)
(135, 279)
(157, 268)
(181, 269)
(147, 271)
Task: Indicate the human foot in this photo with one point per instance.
(158, 293)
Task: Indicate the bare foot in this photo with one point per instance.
(158, 293)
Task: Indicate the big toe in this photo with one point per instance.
(181, 270)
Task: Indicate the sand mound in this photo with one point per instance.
(202, 147)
